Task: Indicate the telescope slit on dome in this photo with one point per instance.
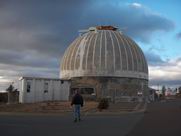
(105, 52)
(97, 51)
(100, 51)
(125, 55)
(89, 37)
(89, 56)
(93, 53)
(117, 54)
(81, 52)
(120, 54)
(130, 50)
(109, 52)
(113, 50)
(129, 55)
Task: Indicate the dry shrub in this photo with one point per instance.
(103, 104)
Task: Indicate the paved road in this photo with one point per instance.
(162, 119)
(54, 125)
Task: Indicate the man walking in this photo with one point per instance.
(78, 102)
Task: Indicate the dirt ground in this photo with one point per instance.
(45, 107)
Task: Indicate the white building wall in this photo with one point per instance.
(21, 94)
(46, 95)
(57, 90)
(64, 95)
(28, 96)
(37, 90)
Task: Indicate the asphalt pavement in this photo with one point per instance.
(57, 125)
(161, 119)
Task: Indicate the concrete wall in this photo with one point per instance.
(43, 89)
(113, 87)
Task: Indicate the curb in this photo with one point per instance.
(95, 113)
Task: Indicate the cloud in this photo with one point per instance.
(31, 59)
(10, 73)
(140, 23)
(34, 34)
(167, 74)
(50, 27)
(163, 72)
(178, 35)
(154, 59)
(136, 5)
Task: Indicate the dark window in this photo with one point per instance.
(28, 87)
(83, 90)
(45, 87)
(86, 90)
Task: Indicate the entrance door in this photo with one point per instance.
(86, 92)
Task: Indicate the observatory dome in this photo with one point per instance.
(103, 51)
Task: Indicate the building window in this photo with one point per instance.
(45, 87)
(87, 91)
(28, 87)
(84, 91)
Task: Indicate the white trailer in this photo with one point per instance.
(35, 89)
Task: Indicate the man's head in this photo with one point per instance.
(77, 91)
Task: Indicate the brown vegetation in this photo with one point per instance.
(45, 107)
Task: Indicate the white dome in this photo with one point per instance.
(103, 52)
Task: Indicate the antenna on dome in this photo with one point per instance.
(122, 29)
(81, 32)
(91, 29)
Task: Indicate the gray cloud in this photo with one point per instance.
(165, 82)
(29, 59)
(63, 19)
(34, 34)
(12, 73)
(154, 59)
(137, 22)
(178, 35)
(168, 74)
(49, 27)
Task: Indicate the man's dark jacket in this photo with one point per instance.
(77, 99)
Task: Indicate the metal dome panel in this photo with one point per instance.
(104, 53)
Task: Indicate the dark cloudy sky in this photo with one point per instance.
(35, 33)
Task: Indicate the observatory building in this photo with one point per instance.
(103, 62)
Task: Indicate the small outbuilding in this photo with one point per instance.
(36, 89)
